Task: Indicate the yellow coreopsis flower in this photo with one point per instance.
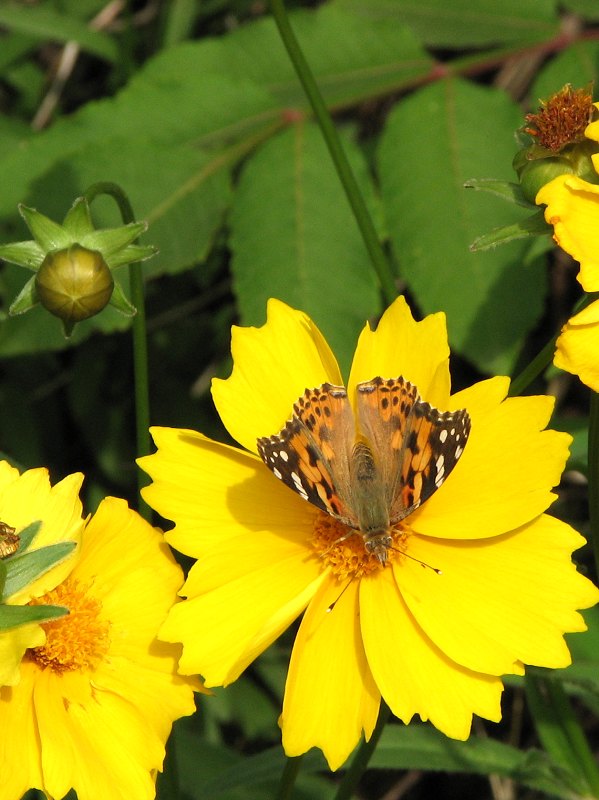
(425, 605)
(25, 499)
(98, 695)
(573, 210)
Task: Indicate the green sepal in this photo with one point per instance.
(25, 254)
(68, 326)
(25, 300)
(119, 301)
(47, 233)
(133, 252)
(111, 240)
(13, 616)
(78, 221)
(534, 225)
(21, 570)
(504, 189)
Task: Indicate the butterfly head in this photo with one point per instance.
(378, 545)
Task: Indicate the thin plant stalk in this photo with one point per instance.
(333, 142)
(358, 767)
(140, 347)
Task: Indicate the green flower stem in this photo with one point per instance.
(545, 356)
(348, 785)
(560, 733)
(140, 346)
(346, 176)
(288, 778)
(593, 475)
(539, 363)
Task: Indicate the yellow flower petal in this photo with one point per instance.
(592, 129)
(267, 580)
(414, 676)
(418, 351)
(13, 644)
(273, 365)
(214, 491)
(30, 498)
(495, 602)
(19, 754)
(330, 696)
(577, 348)
(573, 210)
(506, 472)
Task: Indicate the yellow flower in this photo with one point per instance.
(25, 499)
(431, 640)
(97, 698)
(573, 210)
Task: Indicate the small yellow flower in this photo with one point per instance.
(25, 499)
(468, 590)
(98, 693)
(573, 210)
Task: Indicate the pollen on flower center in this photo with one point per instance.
(342, 548)
(77, 641)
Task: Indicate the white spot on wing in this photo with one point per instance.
(297, 481)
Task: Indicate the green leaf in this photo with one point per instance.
(22, 570)
(462, 23)
(294, 238)
(576, 64)
(44, 24)
(506, 190)
(27, 536)
(352, 57)
(184, 202)
(213, 94)
(432, 143)
(534, 225)
(587, 9)
(424, 747)
(13, 616)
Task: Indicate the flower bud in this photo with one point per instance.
(535, 174)
(559, 146)
(74, 283)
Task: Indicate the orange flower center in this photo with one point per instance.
(562, 119)
(342, 548)
(77, 641)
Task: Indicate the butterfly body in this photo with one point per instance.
(370, 468)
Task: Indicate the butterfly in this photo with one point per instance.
(372, 468)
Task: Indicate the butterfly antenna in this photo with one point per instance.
(418, 561)
(338, 598)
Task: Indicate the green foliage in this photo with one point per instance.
(199, 116)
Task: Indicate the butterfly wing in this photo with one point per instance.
(311, 453)
(417, 445)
